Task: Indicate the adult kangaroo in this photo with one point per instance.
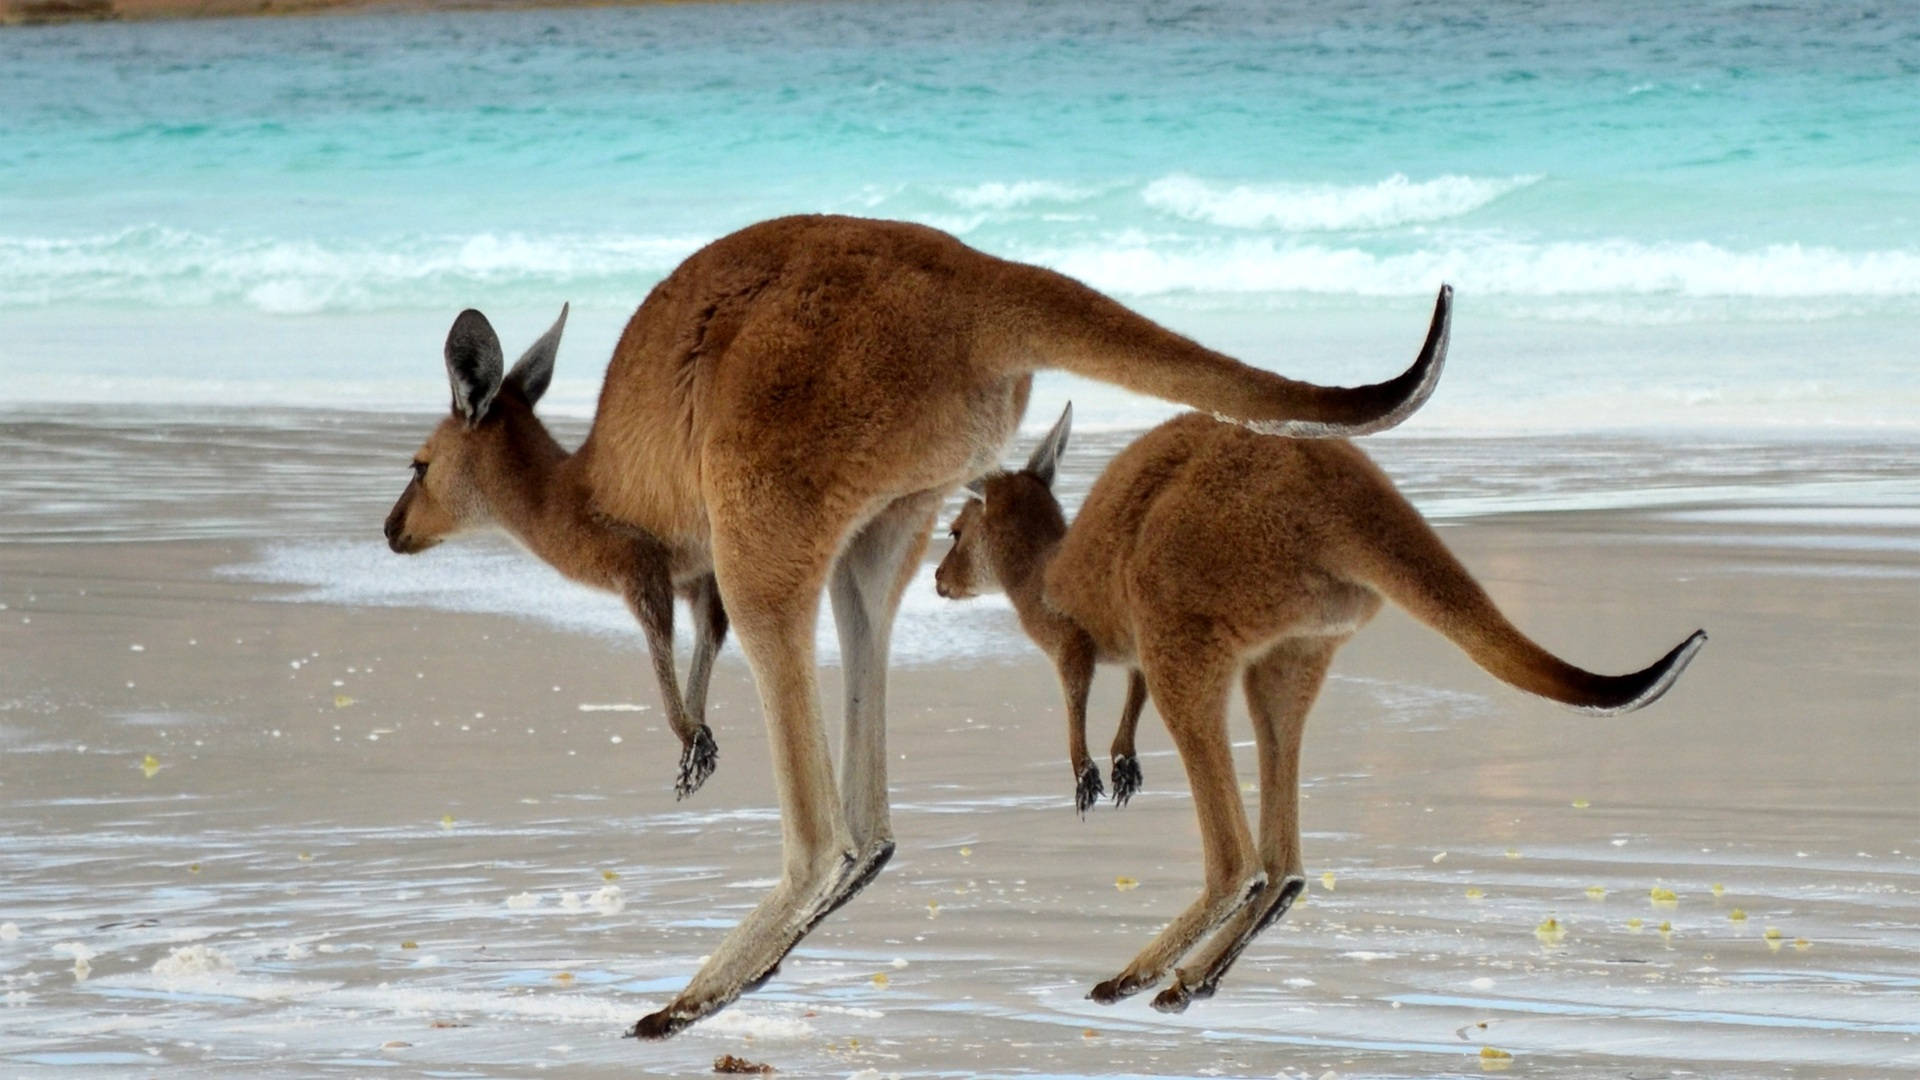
(795, 400)
(1205, 552)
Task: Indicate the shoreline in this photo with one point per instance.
(61, 12)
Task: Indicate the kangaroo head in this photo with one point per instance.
(1001, 531)
(454, 470)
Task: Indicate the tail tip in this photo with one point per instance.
(1661, 676)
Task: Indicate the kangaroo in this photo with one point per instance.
(971, 567)
(1205, 551)
(494, 463)
(794, 402)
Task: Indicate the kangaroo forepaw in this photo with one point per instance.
(1126, 778)
(1087, 790)
(697, 761)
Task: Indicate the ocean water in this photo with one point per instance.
(1653, 215)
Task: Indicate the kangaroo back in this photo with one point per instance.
(1394, 550)
(1067, 325)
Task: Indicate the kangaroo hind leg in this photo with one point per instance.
(771, 579)
(1281, 687)
(868, 579)
(1191, 689)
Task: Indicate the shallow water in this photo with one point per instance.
(1698, 215)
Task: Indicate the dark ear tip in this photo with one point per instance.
(469, 326)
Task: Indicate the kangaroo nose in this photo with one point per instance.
(393, 528)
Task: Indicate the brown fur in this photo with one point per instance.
(1206, 551)
(795, 400)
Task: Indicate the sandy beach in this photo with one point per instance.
(254, 832)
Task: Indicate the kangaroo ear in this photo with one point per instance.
(473, 365)
(534, 370)
(1046, 456)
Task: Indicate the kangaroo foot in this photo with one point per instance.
(1118, 987)
(1175, 998)
(697, 761)
(1126, 778)
(1217, 956)
(859, 873)
(752, 953)
(1087, 790)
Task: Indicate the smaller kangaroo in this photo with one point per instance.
(1206, 551)
(492, 462)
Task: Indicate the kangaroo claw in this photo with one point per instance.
(697, 761)
(1126, 778)
(1087, 790)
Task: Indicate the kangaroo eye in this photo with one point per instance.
(419, 470)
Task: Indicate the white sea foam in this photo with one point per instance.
(193, 960)
(997, 195)
(167, 268)
(1294, 207)
(351, 572)
(1137, 265)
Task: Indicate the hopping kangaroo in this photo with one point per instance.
(493, 463)
(1205, 552)
(794, 402)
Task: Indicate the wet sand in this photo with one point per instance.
(363, 825)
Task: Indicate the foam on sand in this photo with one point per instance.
(194, 961)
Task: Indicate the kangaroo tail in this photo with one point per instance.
(1072, 327)
(1415, 570)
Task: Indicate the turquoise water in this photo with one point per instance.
(1593, 179)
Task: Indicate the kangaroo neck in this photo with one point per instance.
(539, 499)
(1021, 564)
